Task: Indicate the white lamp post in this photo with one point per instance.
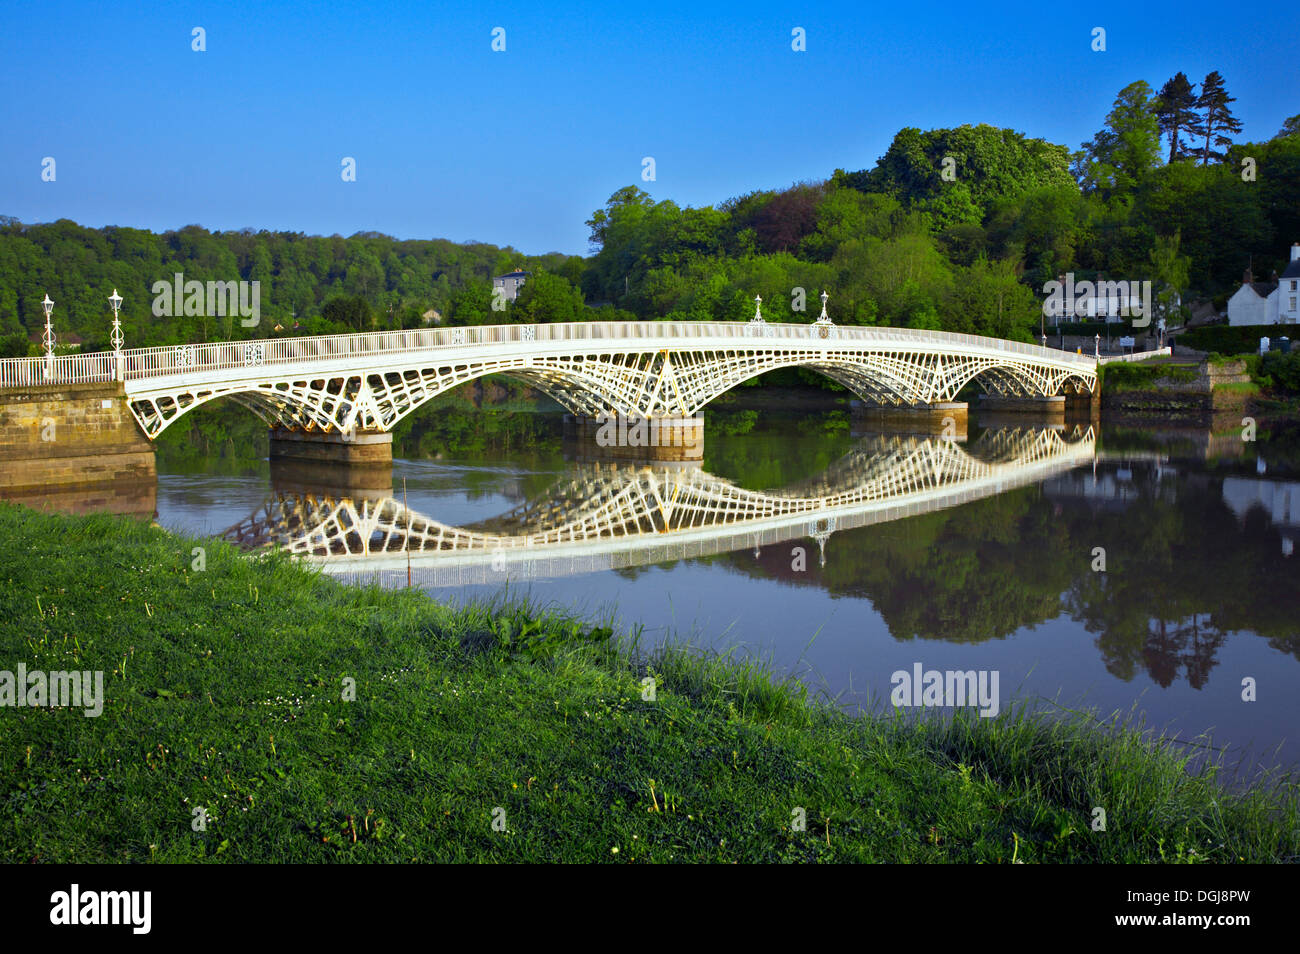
(47, 339)
(758, 308)
(115, 336)
(823, 324)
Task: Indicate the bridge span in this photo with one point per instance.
(344, 383)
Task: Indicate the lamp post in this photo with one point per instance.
(115, 336)
(1057, 313)
(1097, 345)
(47, 338)
(758, 308)
(823, 324)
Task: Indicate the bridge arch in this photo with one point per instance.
(643, 368)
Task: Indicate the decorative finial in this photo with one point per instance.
(758, 308)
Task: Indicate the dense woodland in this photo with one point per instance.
(954, 229)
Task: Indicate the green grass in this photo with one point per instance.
(1248, 388)
(224, 692)
(1143, 377)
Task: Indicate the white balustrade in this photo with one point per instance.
(154, 362)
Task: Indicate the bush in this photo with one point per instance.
(15, 346)
(1230, 339)
(1280, 372)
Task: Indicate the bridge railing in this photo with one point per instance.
(169, 360)
(1135, 356)
(62, 369)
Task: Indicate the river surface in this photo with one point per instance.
(1144, 572)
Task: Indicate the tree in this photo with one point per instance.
(626, 200)
(1044, 228)
(1290, 128)
(351, 310)
(471, 304)
(15, 346)
(1120, 156)
(957, 174)
(547, 298)
(1175, 110)
(783, 223)
(1278, 194)
(1170, 270)
(847, 213)
(1220, 219)
(1216, 118)
(989, 299)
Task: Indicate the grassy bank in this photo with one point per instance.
(1144, 377)
(224, 692)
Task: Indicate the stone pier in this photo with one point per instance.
(55, 437)
(632, 438)
(947, 418)
(1082, 404)
(359, 448)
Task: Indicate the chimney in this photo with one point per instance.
(1295, 251)
(1247, 278)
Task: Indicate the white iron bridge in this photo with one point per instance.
(637, 368)
(608, 517)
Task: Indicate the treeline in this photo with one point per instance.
(960, 228)
(953, 229)
(310, 285)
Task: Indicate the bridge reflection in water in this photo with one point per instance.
(603, 517)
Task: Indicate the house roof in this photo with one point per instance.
(1292, 270)
(1263, 289)
(514, 275)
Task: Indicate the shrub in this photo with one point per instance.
(1280, 371)
(1229, 339)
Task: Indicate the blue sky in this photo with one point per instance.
(453, 140)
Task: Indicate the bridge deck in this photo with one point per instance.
(665, 368)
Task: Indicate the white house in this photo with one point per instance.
(1113, 301)
(1266, 303)
(510, 283)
